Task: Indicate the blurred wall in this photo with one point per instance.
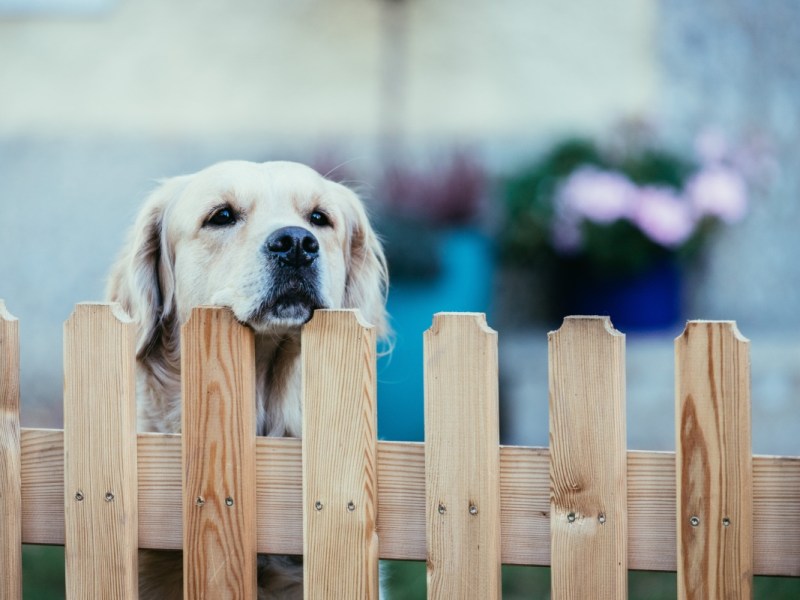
(733, 64)
(314, 68)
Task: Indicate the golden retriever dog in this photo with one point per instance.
(273, 242)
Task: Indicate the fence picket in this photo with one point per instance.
(339, 457)
(462, 458)
(713, 462)
(588, 461)
(218, 453)
(100, 467)
(10, 461)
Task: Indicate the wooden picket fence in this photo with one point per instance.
(586, 506)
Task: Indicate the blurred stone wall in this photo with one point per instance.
(734, 64)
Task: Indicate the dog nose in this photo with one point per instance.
(293, 246)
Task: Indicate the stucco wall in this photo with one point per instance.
(313, 68)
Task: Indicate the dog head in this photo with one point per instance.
(272, 241)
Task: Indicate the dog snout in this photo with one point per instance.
(293, 246)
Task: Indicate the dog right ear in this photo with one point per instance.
(142, 280)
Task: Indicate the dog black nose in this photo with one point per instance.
(293, 246)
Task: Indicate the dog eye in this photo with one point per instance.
(319, 218)
(221, 217)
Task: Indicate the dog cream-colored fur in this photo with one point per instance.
(209, 239)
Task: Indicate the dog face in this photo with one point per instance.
(272, 241)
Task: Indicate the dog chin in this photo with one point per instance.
(283, 314)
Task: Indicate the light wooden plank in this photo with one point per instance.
(100, 469)
(339, 457)
(462, 460)
(219, 439)
(524, 500)
(588, 468)
(401, 500)
(714, 462)
(10, 465)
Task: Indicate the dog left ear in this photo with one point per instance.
(142, 280)
(367, 279)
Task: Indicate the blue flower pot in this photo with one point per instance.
(647, 301)
(463, 285)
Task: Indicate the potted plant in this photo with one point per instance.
(611, 227)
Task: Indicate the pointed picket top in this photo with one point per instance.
(89, 310)
(4, 314)
(9, 360)
(725, 325)
(589, 323)
(446, 319)
(9, 363)
(343, 316)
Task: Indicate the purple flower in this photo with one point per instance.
(600, 196)
(566, 232)
(719, 192)
(663, 216)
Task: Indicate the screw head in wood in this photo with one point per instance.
(726, 522)
(351, 506)
(442, 509)
(571, 517)
(79, 496)
(109, 496)
(229, 501)
(601, 518)
(694, 521)
(318, 505)
(473, 510)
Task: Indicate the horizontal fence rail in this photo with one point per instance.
(588, 507)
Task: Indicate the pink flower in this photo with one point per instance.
(600, 196)
(663, 216)
(720, 192)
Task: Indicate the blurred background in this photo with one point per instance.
(637, 158)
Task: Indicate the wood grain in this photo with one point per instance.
(588, 470)
(219, 438)
(524, 501)
(462, 460)
(10, 465)
(100, 468)
(340, 493)
(714, 462)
